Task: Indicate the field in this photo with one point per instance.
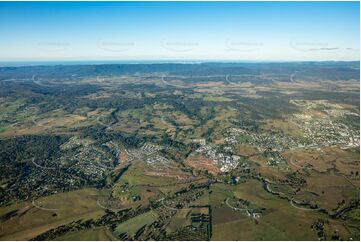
(34, 218)
(98, 234)
(133, 225)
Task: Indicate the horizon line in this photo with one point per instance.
(24, 63)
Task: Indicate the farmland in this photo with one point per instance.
(211, 151)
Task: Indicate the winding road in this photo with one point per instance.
(40, 166)
(238, 209)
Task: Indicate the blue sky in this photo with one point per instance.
(269, 31)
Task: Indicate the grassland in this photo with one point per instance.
(274, 223)
(132, 225)
(97, 234)
(51, 212)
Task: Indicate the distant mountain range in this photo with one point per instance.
(319, 70)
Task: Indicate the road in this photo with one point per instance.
(169, 84)
(40, 166)
(238, 209)
(42, 208)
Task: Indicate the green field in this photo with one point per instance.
(132, 225)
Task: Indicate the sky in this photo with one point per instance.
(228, 31)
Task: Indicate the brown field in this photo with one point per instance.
(226, 214)
(330, 188)
(246, 150)
(176, 175)
(44, 125)
(301, 158)
(346, 167)
(345, 161)
(202, 163)
(298, 85)
(122, 156)
(219, 141)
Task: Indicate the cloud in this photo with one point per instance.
(324, 48)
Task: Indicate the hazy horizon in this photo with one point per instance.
(139, 62)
